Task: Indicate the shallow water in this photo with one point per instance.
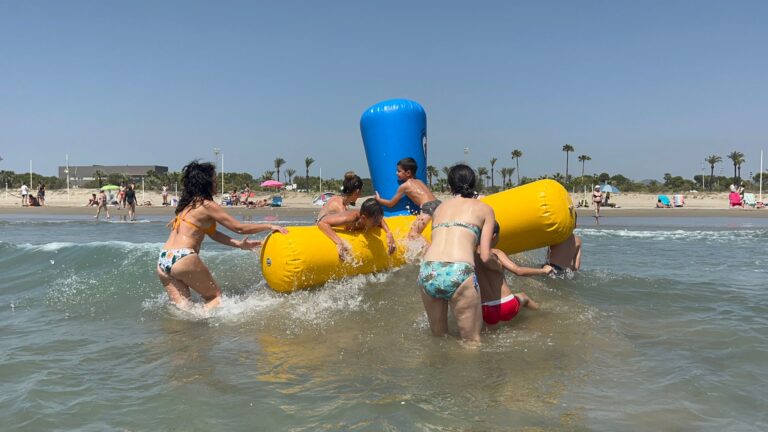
(666, 328)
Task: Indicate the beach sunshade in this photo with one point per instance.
(110, 187)
(272, 183)
(609, 188)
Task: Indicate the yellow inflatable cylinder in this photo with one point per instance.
(531, 216)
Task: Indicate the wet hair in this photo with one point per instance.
(408, 164)
(372, 209)
(496, 228)
(352, 182)
(461, 180)
(197, 180)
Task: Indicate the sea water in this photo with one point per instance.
(665, 328)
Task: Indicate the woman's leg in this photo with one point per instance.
(437, 314)
(177, 291)
(466, 308)
(194, 274)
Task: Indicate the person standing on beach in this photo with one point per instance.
(41, 194)
(179, 266)
(447, 274)
(597, 201)
(130, 200)
(121, 195)
(102, 204)
(417, 191)
(165, 195)
(24, 195)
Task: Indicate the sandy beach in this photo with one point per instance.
(298, 203)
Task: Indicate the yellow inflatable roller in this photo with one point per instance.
(535, 215)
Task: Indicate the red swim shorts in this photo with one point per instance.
(501, 310)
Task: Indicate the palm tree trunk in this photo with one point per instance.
(566, 166)
(307, 177)
(711, 176)
(517, 164)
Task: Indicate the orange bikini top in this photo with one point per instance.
(179, 219)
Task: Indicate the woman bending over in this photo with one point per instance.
(179, 266)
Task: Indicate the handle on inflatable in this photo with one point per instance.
(392, 130)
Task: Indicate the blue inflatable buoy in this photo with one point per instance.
(392, 130)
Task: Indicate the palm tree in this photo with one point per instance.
(307, 162)
(267, 175)
(278, 163)
(712, 160)
(516, 155)
(98, 173)
(567, 149)
(738, 158)
(446, 170)
(504, 174)
(431, 172)
(493, 162)
(482, 173)
(290, 172)
(583, 159)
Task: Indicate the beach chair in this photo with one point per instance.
(750, 200)
(678, 200)
(277, 201)
(734, 200)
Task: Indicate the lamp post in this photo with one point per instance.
(217, 151)
(66, 171)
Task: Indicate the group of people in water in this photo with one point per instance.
(460, 269)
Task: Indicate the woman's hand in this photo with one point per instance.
(548, 269)
(278, 228)
(249, 244)
(343, 249)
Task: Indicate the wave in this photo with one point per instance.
(680, 234)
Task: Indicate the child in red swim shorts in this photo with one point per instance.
(498, 302)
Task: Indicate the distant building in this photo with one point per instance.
(82, 174)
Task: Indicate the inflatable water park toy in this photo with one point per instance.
(535, 215)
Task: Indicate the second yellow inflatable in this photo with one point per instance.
(535, 215)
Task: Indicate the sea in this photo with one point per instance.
(664, 329)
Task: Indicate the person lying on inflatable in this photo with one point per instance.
(370, 215)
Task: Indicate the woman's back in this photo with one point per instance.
(456, 228)
(188, 228)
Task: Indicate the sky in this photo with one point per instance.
(642, 87)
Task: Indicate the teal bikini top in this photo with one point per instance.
(472, 227)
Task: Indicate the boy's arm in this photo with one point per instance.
(395, 199)
(519, 270)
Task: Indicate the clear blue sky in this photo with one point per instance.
(643, 87)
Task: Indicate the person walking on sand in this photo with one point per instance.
(179, 266)
(417, 191)
(102, 204)
(447, 273)
(597, 201)
(130, 201)
(165, 195)
(24, 195)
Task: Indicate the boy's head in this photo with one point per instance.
(371, 213)
(406, 168)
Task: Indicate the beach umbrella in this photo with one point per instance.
(272, 183)
(610, 189)
(110, 187)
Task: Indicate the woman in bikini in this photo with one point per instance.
(350, 192)
(447, 274)
(597, 200)
(179, 266)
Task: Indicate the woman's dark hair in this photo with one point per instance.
(408, 164)
(496, 228)
(197, 182)
(352, 182)
(372, 209)
(461, 180)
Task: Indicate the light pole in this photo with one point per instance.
(217, 151)
(66, 171)
(466, 155)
